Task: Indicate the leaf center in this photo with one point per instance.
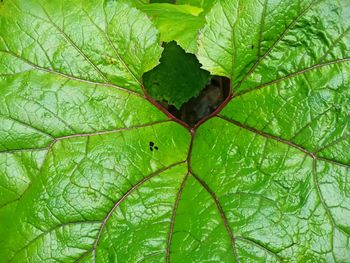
(182, 88)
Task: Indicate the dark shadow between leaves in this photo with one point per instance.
(205, 104)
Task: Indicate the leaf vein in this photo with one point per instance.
(279, 39)
(47, 70)
(294, 74)
(323, 202)
(281, 140)
(132, 189)
(222, 214)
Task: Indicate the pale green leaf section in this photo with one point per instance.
(38, 107)
(258, 41)
(142, 227)
(255, 41)
(105, 43)
(199, 234)
(15, 134)
(318, 35)
(265, 180)
(204, 4)
(278, 199)
(177, 22)
(310, 110)
(334, 186)
(65, 242)
(85, 178)
(17, 170)
(288, 156)
(252, 252)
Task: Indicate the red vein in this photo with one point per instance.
(70, 76)
(171, 230)
(222, 214)
(254, 243)
(188, 159)
(275, 43)
(302, 71)
(279, 139)
(111, 131)
(27, 125)
(178, 197)
(333, 143)
(322, 200)
(85, 135)
(50, 230)
(23, 150)
(133, 188)
(266, 135)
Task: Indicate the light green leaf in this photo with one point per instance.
(287, 127)
(255, 42)
(177, 22)
(92, 170)
(92, 42)
(281, 202)
(204, 4)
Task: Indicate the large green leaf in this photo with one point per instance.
(92, 171)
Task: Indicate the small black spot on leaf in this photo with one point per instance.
(152, 146)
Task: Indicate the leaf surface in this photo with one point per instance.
(177, 22)
(91, 170)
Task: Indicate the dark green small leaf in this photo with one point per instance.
(178, 77)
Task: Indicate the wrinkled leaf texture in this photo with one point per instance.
(264, 180)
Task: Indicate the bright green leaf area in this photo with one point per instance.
(161, 1)
(265, 180)
(177, 22)
(206, 5)
(177, 78)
